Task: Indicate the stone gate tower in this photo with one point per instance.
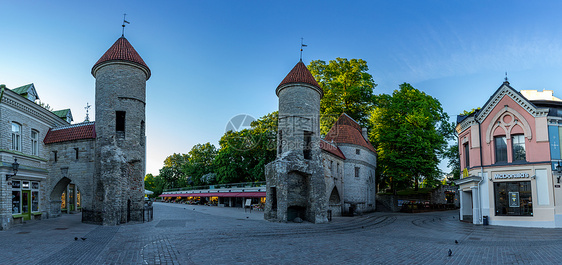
(295, 180)
(121, 77)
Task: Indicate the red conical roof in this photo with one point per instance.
(122, 50)
(300, 74)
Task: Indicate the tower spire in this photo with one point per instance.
(124, 21)
(302, 45)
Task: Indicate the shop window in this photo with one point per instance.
(16, 197)
(518, 144)
(513, 198)
(16, 137)
(501, 149)
(34, 142)
(34, 201)
(466, 149)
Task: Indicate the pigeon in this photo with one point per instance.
(450, 252)
(456, 242)
(75, 238)
(83, 238)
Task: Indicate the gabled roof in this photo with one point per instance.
(122, 50)
(506, 89)
(25, 90)
(332, 149)
(348, 131)
(63, 114)
(80, 131)
(300, 74)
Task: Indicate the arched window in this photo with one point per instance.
(16, 137)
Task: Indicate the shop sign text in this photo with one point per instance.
(512, 176)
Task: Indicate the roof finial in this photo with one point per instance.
(302, 45)
(87, 109)
(506, 76)
(124, 21)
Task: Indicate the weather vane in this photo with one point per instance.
(124, 21)
(87, 109)
(302, 46)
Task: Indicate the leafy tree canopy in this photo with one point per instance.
(200, 162)
(244, 154)
(410, 132)
(347, 88)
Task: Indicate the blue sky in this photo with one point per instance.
(213, 60)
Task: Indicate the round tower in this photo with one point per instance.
(296, 189)
(299, 112)
(121, 76)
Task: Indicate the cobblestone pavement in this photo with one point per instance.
(184, 234)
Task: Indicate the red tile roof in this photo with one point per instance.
(332, 149)
(300, 74)
(85, 130)
(122, 50)
(346, 130)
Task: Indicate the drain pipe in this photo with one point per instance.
(480, 217)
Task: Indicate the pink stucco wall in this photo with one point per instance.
(535, 151)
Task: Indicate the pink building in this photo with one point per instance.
(509, 151)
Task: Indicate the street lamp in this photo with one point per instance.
(15, 167)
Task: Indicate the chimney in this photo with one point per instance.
(364, 133)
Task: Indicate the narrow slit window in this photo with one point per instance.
(120, 121)
(77, 152)
(307, 148)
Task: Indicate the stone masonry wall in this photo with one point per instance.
(80, 171)
(360, 190)
(120, 156)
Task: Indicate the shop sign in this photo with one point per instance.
(512, 176)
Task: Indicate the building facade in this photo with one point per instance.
(93, 167)
(509, 151)
(312, 177)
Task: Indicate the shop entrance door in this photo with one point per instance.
(26, 204)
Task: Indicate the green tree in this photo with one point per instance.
(200, 162)
(347, 88)
(410, 132)
(244, 154)
(155, 184)
(172, 171)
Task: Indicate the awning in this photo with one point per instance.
(217, 194)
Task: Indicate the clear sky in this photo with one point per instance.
(213, 60)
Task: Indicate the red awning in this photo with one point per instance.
(217, 194)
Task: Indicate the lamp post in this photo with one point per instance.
(15, 167)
